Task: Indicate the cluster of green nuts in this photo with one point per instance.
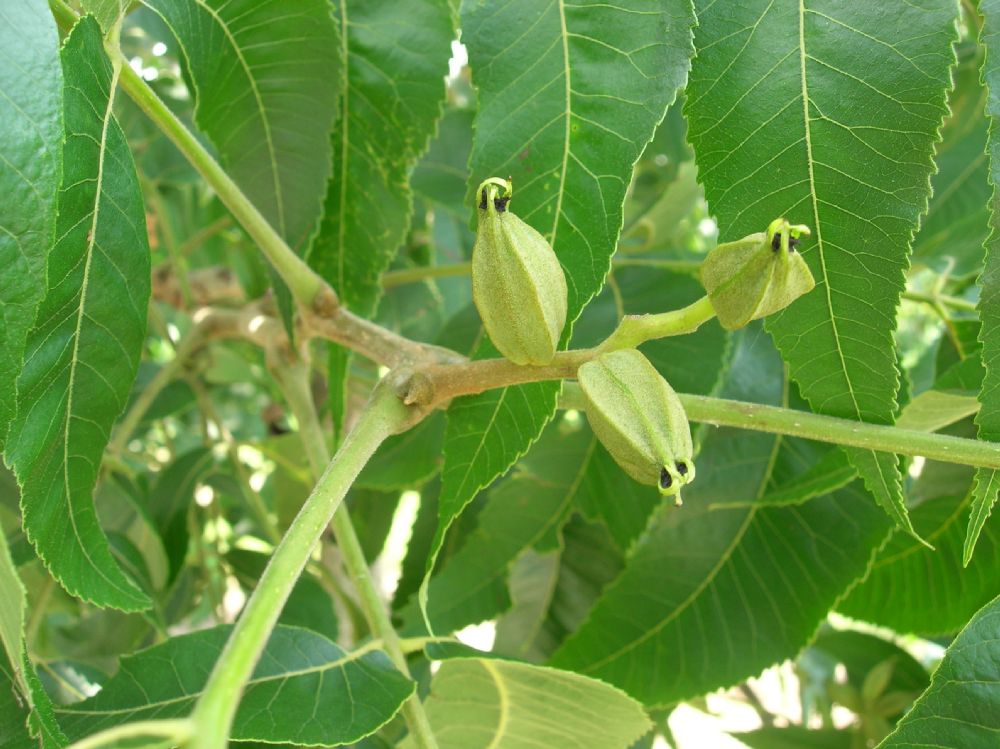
(519, 288)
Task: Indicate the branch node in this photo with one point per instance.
(326, 304)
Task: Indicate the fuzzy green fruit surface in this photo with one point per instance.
(756, 276)
(639, 419)
(518, 285)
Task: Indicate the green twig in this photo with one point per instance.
(177, 259)
(295, 383)
(199, 238)
(214, 712)
(941, 299)
(787, 421)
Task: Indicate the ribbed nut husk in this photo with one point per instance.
(639, 419)
(518, 285)
(756, 276)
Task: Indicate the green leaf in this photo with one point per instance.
(796, 737)
(959, 708)
(299, 673)
(26, 723)
(913, 589)
(828, 474)
(25, 709)
(170, 498)
(987, 481)
(790, 117)
(568, 127)
(524, 512)
(608, 494)
(569, 95)
(309, 606)
(712, 596)
(935, 409)
(107, 12)
(483, 703)
(958, 215)
(396, 56)
(484, 435)
(532, 582)
(84, 350)
(860, 652)
(265, 82)
(30, 159)
(443, 171)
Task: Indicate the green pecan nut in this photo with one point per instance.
(639, 419)
(518, 285)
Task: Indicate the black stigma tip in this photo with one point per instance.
(665, 479)
(482, 202)
(682, 468)
(501, 204)
(776, 242)
(792, 244)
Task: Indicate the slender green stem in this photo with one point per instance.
(177, 259)
(199, 238)
(296, 387)
(776, 420)
(214, 712)
(171, 732)
(404, 276)
(636, 329)
(303, 282)
(942, 447)
(941, 299)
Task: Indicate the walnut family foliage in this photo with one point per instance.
(330, 328)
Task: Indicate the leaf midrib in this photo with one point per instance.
(75, 357)
(339, 663)
(569, 113)
(815, 207)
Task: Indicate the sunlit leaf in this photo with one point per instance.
(480, 703)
